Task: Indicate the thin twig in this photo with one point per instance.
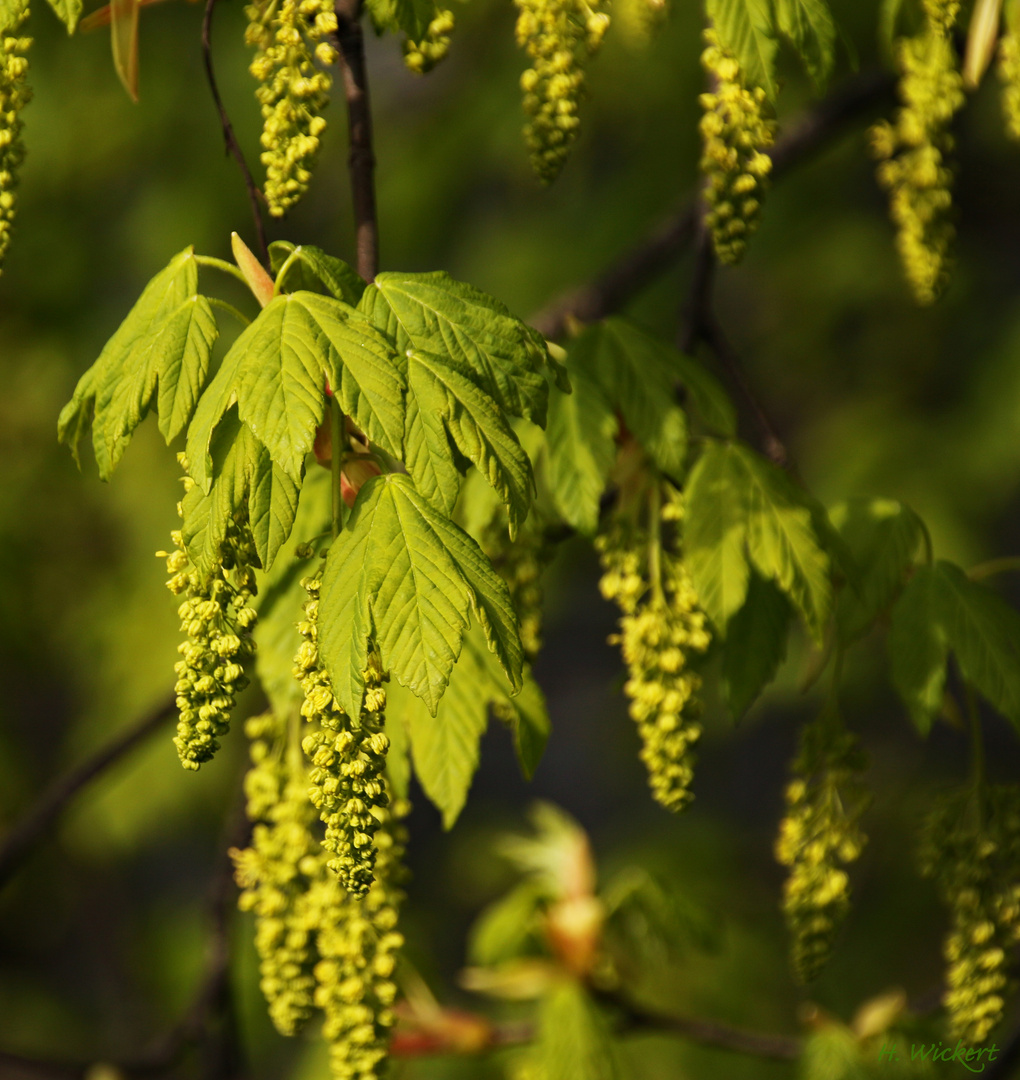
(621, 281)
(17, 844)
(209, 1022)
(232, 145)
(361, 161)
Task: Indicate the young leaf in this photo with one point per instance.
(809, 26)
(277, 369)
(639, 374)
(744, 28)
(573, 1039)
(755, 644)
(68, 12)
(408, 575)
(433, 313)
(124, 37)
(918, 648)
(272, 505)
(581, 434)
(715, 531)
(398, 757)
(166, 340)
(311, 269)
(235, 452)
(984, 633)
(503, 930)
(882, 537)
(448, 407)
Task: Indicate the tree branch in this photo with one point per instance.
(20, 840)
(616, 285)
(232, 145)
(361, 161)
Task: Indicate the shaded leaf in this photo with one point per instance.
(505, 928)
(312, 269)
(755, 644)
(745, 29)
(68, 12)
(918, 649)
(811, 30)
(408, 575)
(124, 34)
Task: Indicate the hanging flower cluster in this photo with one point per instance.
(735, 132)
(818, 837)
(14, 96)
(662, 631)
(217, 617)
(423, 55)
(558, 36)
(288, 36)
(348, 757)
(914, 149)
(972, 849)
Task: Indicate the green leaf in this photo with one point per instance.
(277, 370)
(235, 453)
(272, 506)
(882, 537)
(398, 757)
(984, 633)
(639, 374)
(166, 340)
(529, 719)
(581, 435)
(412, 17)
(918, 648)
(715, 531)
(573, 1038)
(445, 406)
(504, 929)
(68, 12)
(745, 29)
(706, 395)
(311, 269)
(809, 26)
(755, 644)
(408, 575)
(740, 507)
(433, 313)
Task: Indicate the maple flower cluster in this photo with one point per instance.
(421, 56)
(735, 132)
(818, 837)
(277, 872)
(661, 631)
(914, 148)
(348, 757)
(288, 39)
(359, 944)
(557, 35)
(972, 849)
(1009, 73)
(217, 616)
(14, 96)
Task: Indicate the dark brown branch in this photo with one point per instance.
(616, 285)
(232, 145)
(361, 161)
(209, 1021)
(17, 844)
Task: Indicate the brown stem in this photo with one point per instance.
(621, 281)
(361, 161)
(232, 145)
(18, 843)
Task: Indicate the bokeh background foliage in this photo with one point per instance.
(101, 934)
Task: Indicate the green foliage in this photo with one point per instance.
(68, 12)
(809, 26)
(745, 29)
(755, 643)
(573, 1040)
(942, 611)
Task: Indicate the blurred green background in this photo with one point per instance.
(101, 933)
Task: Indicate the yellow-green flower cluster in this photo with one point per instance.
(14, 96)
(359, 942)
(662, 630)
(914, 148)
(421, 56)
(217, 617)
(278, 871)
(348, 757)
(972, 848)
(557, 36)
(820, 835)
(1009, 73)
(288, 38)
(735, 132)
